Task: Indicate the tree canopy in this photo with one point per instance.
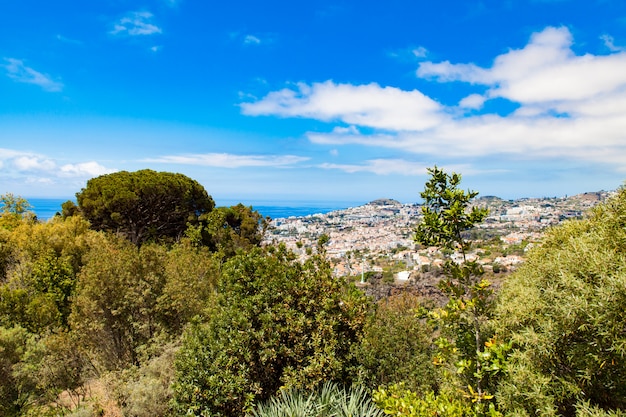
(144, 205)
(13, 210)
(229, 229)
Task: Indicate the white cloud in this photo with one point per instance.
(473, 101)
(39, 181)
(570, 107)
(446, 71)
(394, 166)
(609, 42)
(342, 130)
(38, 168)
(601, 140)
(8, 154)
(381, 167)
(409, 54)
(251, 40)
(420, 52)
(544, 71)
(342, 136)
(33, 163)
(248, 39)
(84, 169)
(136, 24)
(18, 71)
(366, 105)
(224, 160)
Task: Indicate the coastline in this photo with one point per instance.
(46, 208)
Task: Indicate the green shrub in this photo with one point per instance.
(276, 323)
(396, 347)
(396, 400)
(17, 385)
(145, 391)
(565, 310)
(585, 409)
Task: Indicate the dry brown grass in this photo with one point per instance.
(94, 395)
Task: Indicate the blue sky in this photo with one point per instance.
(349, 100)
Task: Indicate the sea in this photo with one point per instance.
(46, 208)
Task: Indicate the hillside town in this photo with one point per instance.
(378, 237)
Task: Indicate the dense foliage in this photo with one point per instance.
(396, 347)
(143, 205)
(42, 262)
(79, 305)
(128, 296)
(565, 312)
(203, 321)
(276, 323)
(227, 230)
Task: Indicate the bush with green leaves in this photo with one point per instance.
(35, 371)
(14, 211)
(469, 360)
(565, 312)
(40, 272)
(396, 346)
(397, 400)
(227, 230)
(18, 387)
(276, 323)
(145, 390)
(128, 298)
(585, 409)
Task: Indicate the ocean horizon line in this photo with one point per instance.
(46, 208)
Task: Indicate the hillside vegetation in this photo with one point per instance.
(120, 306)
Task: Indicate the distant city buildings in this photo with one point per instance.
(379, 234)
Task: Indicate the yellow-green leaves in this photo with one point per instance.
(565, 310)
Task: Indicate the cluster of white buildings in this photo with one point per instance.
(362, 238)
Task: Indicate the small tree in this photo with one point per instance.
(464, 319)
(114, 310)
(17, 388)
(14, 209)
(39, 264)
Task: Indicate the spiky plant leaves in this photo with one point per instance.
(330, 400)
